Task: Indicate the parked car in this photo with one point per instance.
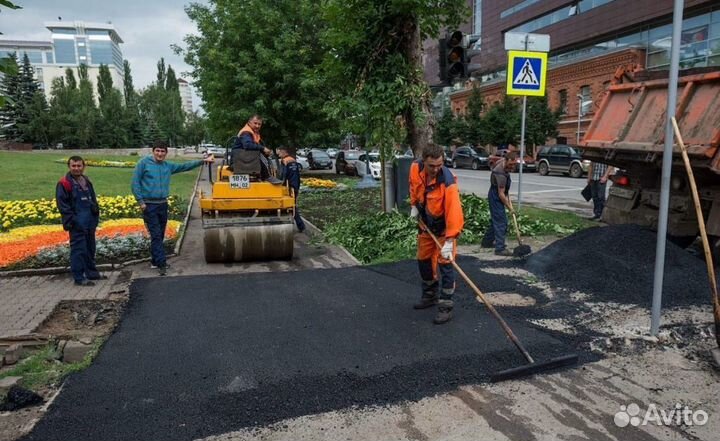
(212, 149)
(563, 159)
(319, 160)
(529, 163)
(302, 162)
(467, 156)
(373, 161)
(448, 156)
(332, 152)
(345, 161)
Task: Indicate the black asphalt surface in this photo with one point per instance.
(617, 263)
(198, 356)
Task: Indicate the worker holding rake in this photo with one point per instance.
(435, 201)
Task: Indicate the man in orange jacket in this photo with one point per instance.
(435, 199)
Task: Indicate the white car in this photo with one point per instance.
(332, 152)
(302, 162)
(373, 162)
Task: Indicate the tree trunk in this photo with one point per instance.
(419, 119)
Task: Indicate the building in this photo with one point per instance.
(185, 95)
(71, 44)
(590, 41)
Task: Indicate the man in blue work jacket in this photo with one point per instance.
(290, 175)
(78, 207)
(151, 187)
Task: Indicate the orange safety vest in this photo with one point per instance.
(438, 201)
(255, 135)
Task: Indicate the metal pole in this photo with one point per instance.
(666, 168)
(522, 151)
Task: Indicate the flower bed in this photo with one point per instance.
(47, 245)
(15, 214)
(317, 183)
(103, 163)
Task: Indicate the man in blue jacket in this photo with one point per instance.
(290, 175)
(151, 187)
(78, 207)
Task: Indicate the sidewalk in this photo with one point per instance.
(25, 302)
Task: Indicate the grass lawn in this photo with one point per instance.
(33, 175)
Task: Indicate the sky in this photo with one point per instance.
(147, 27)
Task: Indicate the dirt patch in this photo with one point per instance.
(78, 319)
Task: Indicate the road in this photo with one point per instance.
(553, 191)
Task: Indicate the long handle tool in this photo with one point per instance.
(703, 233)
(520, 371)
(520, 250)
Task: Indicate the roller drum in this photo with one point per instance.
(247, 243)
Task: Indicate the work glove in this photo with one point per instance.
(447, 249)
(414, 212)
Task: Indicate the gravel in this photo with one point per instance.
(617, 263)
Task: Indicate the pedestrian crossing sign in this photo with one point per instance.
(526, 73)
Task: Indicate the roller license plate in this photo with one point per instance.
(240, 181)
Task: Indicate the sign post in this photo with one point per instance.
(527, 73)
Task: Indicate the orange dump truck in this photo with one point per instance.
(628, 132)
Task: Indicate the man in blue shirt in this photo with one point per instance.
(151, 187)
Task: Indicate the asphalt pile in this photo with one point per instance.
(617, 263)
(201, 356)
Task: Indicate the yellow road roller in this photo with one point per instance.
(244, 218)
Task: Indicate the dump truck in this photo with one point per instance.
(628, 132)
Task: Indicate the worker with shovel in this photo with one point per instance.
(499, 199)
(435, 201)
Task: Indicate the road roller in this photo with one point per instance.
(243, 217)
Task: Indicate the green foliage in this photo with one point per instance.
(110, 131)
(11, 111)
(195, 128)
(260, 57)
(160, 108)
(502, 121)
(381, 237)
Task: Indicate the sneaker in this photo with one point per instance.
(594, 218)
(153, 266)
(504, 252)
(98, 277)
(85, 282)
(162, 270)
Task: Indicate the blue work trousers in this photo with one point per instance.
(82, 254)
(298, 219)
(156, 217)
(498, 221)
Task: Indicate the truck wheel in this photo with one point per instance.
(543, 169)
(576, 171)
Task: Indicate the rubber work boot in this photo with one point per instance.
(487, 243)
(504, 252)
(444, 314)
(430, 295)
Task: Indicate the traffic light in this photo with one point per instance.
(455, 57)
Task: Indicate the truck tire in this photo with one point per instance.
(576, 171)
(543, 169)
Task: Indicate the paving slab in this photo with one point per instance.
(206, 355)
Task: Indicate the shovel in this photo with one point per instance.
(520, 371)
(520, 250)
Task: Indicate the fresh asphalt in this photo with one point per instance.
(205, 355)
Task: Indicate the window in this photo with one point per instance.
(49, 57)
(65, 51)
(35, 57)
(555, 16)
(477, 16)
(563, 100)
(586, 93)
(101, 52)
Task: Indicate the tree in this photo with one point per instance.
(541, 122)
(502, 123)
(377, 44)
(85, 114)
(62, 105)
(474, 130)
(262, 57)
(131, 112)
(195, 129)
(110, 132)
(7, 66)
(38, 127)
(11, 111)
(170, 115)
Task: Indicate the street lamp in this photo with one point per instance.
(581, 106)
